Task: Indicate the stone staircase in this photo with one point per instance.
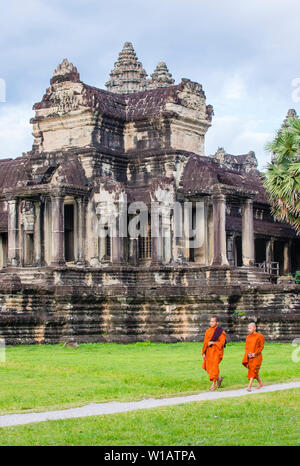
(37, 276)
(142, 277)
(251, 275)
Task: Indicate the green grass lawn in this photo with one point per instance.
(53, 376)
(260, 419)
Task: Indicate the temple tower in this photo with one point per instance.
(128, 75)
(160, 77)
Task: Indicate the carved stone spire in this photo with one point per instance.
(161, 77)
(65, 71)
(128, 75)
(290, 114)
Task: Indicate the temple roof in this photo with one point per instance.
(242, 163)
(19, 172)
(201, 173)
(126, 106)
(150, 102)
(14, 172)
(262, 227)
(70, 172)
(129, 95)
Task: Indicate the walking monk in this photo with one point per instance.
(253, 357)
(213, 350)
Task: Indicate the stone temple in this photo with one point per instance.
(140, 141)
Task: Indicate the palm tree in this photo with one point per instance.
(282, 179)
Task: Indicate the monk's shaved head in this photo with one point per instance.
(252, 327)
(214, 321)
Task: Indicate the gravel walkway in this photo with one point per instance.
(98, 409)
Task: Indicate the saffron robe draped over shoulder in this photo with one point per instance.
(254, 344)
(214, 353)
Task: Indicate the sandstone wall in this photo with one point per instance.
(122, 312)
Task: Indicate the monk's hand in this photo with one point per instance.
(203, 355)
(210, 343)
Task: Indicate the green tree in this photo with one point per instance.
(282, 178)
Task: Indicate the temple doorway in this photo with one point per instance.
(28, 249)
(278, 254)
(3, 250)
(69, 232)
(260, 245)
(295, 255)
(238, 251)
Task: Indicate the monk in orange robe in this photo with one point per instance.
(253, 357)
(213, 350)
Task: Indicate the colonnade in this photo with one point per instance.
(38, 235)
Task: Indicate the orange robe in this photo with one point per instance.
(254, 344)
(214, 353)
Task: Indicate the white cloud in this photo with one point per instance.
(235, 87)
(256, 141)
(15, 129)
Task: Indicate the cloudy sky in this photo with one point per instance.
(244, 53)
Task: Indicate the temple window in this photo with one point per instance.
(145, 250)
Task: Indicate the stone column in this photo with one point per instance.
(117, 242)
(13, 233)
(47, 231)
(156, 235)
(80, 230)
(247, 233)
(101, 213)
(101, 247)
(37, 234)
(219, 219)
(287, 257)
(122, 229)
(180, 249)
(133, 251)
(166, 237)
(210, 232)
(230, 250)
(115, 253)
(270, 250)
(1, 253)
(269, 253)
(58, 230)
(206, 230)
